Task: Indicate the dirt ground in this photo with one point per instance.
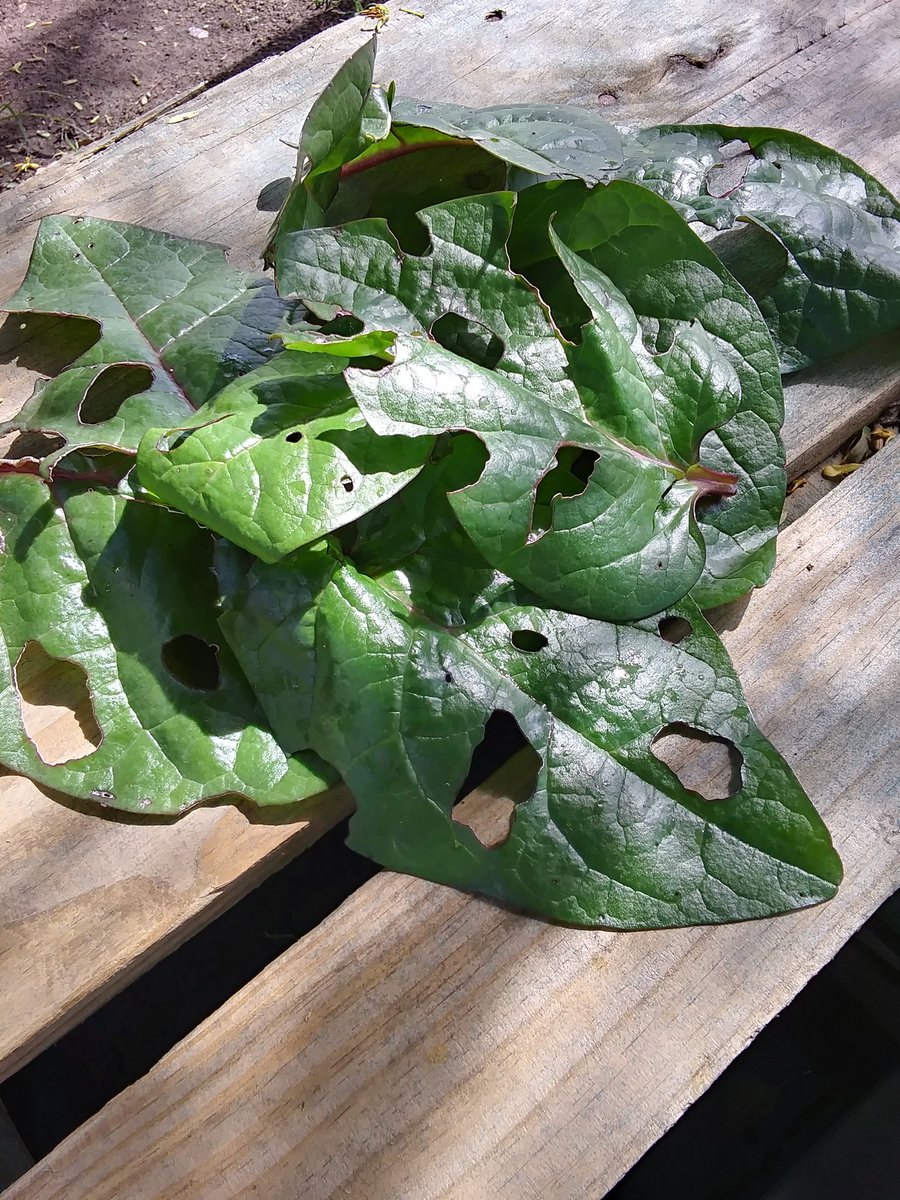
(72, 71)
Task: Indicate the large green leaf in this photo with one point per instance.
(673, 282)
(819, 243)
(279, 458)
(623, 545)
(176, 324)
(707, 374)
(462, 291)
(609, 837)
(125, 590)
(824, 263)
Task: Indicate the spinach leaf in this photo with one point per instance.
(608, 836)
(125, 591)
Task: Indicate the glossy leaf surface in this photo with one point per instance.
(726, 382)
(279, 458)
(623, 545)
(673, 283)
(495, 316)
(125, 590)
(346, 117)
(176, 324)
(822, 256)
(609, 836)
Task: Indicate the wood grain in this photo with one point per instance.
(86, 904)
(423, 1044)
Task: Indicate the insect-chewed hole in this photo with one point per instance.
(568, 477)
(529, 640)
(294, 436)
(57, 710)
(487, 800)
(468, 339)
(346, 483)
(34, 444)
(110, 389)
(46, 343)
(674, 629)
(705, 764)
(193, 662)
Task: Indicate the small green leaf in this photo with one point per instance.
(279, 458)
(125, 590)
(374, 343)
(609, 837)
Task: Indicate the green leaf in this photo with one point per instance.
(349, 115)
(542, 139)
(818, 246)
(176, 324)
(821, 257)
(674, 283)
(619, 544)
(374, 343)
(462, 291)
(279, 458)
(609, 837)
(125, 590)
(663, 400)
(414, 545)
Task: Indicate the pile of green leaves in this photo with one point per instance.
(500, 417)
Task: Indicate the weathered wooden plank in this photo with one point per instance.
(423, 1044)
(86, 904)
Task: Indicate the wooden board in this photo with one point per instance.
(423, 1044)
(85, 904)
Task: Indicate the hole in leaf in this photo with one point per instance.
(529, 640)
(34, 444)
(705, 764)
(296, 436)
(57, 710)
(468, 339)
(192, 661)
(487, 800)
(46, 343)
(568, 477)
(343, 325)
(346, 483)
(110, 389)
(675, 629)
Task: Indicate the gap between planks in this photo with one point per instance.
(423, 1044)
(104, 899)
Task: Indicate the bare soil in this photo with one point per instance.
(72, 71)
